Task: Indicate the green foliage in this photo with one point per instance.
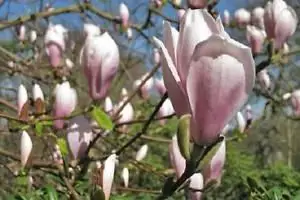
(244, 179)
(102, 119)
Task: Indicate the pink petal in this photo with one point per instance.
(196, 26)
(79, 136)
(54, 54)
(285, 26)
(176, 159)
(172, 82)
(213, 99)
(170, 40)
(213, 171)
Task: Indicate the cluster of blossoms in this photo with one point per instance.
(197, 65)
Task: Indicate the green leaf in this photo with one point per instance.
(183, 136)
(22, 180)
(61, 142)
(51, 193)
(39, 129)
(102, 119)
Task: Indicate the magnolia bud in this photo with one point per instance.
(65, 102)
(125, 176)
(108, 105)
(33, 36)
(255, 38)
(257, 17)
(124, 14)
(129, 33)
(79, 136)
(69, 63)
(177, 160)
(55, 43)
(26, 147)
(242, 16)
(213, 170)
(241, 122)
(264, 79)
(226, 19)
(108, 175)
(21, 32)
(142, 153)
(22, 102)
(100, 64)
(38, 98)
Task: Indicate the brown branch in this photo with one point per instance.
(33, 163)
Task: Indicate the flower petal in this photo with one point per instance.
(170, 40)
(213, 99)
(196, 26)
(172, 82)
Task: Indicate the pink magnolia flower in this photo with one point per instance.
(124, 14)
(264, 79)
(65, 102)
(257, 17)
(196, 183)
(177, 160)
(226, 19)
(160, 86)
(242, 17)
(79, 136)
(180, 13)
(255, 38)
(22, 98)
(165, 110)
(100, 64)
(280, 22)
(196, 4)
(55, 43)
(213, 170)
(197, 64)
(26, 147)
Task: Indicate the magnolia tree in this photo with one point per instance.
(73, 125)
